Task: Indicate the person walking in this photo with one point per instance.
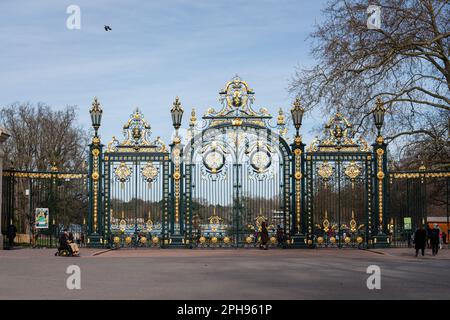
(264, 236)
(280, 235)
(11, 232)
(420, 240)
(434, 240)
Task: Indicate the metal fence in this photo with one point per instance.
(65, 195)
(414, 197)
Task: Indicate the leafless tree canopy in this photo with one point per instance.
(406, 63)
(41, 136)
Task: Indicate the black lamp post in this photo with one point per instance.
(378, 115)
(297, 114)
(177, 114)
(96, 115)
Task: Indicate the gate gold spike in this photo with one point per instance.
(326, 223)
(353, 222)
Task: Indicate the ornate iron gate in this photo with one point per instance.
(339, 187)
(414, 196)
(136, 187)
(237, 171)
(237, 174)
(64, 194)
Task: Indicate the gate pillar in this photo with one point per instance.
(380, 239)
(177, 232)
(95, 230)
(298, 187)
(3, 136)
(177, 226)
(299, 224)
(380, 158)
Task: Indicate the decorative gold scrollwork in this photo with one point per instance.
(337, 137)
(149, 173)
(149, 224)
(237, 98)
(215, 219)
(325, 171)
(137, 134)
(123, 173)
(353, 224)
(326, 222)
(352, 171)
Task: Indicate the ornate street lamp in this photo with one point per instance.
(96, 115)
(177, 114)
(297, 112)
(378, 115)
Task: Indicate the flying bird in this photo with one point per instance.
(107, 28)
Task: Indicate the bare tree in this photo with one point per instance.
(41, 137)
(405, 62)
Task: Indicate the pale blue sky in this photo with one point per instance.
(156, 51)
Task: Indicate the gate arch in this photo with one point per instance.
(237, 173)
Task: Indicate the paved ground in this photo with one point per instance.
(225, 274)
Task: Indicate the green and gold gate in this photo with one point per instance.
(339, 187)
(236, 171)
(237, 174)
(136, 187)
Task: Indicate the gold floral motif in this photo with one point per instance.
(325, 170)
(215, 219)
(352, 170)
(150, 172)
(237, 122)
(380, 140)
(122, 172)
(96, 140)
(95, 176)
(353, 224)
(95, 152)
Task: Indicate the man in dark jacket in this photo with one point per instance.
(11, 232)
(420, 240)
(434, 239)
